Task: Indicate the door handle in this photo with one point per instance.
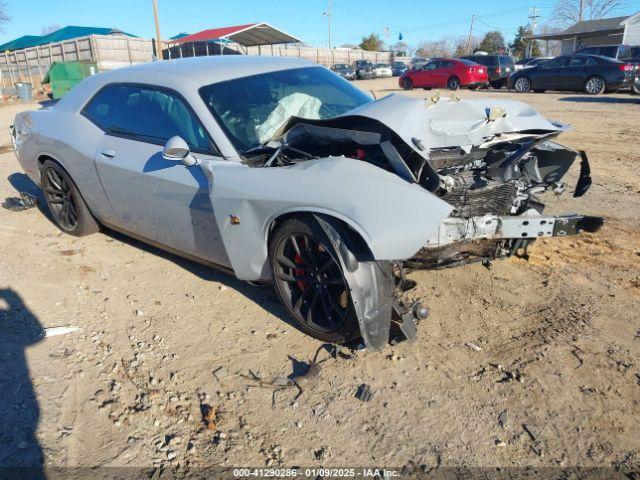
(108, 153)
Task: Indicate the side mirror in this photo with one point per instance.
(177, 149)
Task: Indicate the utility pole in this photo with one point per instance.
(473, 18)
(533, 22)
(328, 15)
(158, 37)
(581, 10)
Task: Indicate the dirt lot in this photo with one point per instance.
(559, 338)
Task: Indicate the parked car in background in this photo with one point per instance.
(345, 71)
(363, 68)
(451, 73)
(499, 67)
(382, 70)
(590, 73)
(398, 68)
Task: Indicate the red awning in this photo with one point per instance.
(250, 35)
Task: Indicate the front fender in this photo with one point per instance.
(393, 216)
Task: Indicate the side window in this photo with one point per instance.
(431, 66)
(156, 115)
(556, 63)
(578, 61)
(101, 108)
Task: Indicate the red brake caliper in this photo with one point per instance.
(300, 272)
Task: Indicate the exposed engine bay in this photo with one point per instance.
(498, 177)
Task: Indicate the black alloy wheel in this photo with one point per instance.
(311, 282)
(60, 198)
(68, 209)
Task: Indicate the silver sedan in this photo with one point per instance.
(278, 170)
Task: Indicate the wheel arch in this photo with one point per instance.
(40, 161)
(356, 234)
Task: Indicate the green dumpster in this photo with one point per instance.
(63, 76)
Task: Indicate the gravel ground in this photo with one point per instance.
(155, 374)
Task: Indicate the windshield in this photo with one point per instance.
(252, 109)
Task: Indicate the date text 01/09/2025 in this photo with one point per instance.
(315, 472)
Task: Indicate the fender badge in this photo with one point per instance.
(234, 220)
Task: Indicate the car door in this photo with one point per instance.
(443, 72)
(160, 200)
(577, 72)
(551, 75)
(425, 76)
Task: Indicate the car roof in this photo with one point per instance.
(184, 73)
(217, 68)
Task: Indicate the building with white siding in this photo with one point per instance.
(594, 33)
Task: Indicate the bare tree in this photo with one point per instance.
(436, 48)
(51, 28)
(569, 12)
(4, 14)
(461, 45)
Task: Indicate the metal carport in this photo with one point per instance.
(216, 41)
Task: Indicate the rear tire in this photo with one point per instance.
(310, 283)
(407, 84)
(595, 85)
(453, 83)
(522, 85)
(68, 209)
(498, 84)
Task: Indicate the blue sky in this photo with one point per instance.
(417, 19)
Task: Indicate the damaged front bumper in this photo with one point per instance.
(509, 227)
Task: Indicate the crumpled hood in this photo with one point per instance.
(449, 123)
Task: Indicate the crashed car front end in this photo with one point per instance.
(476, 167)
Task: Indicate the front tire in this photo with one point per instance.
(595, 85)
(522, 85)
(453, 83)
(407, 84)
(68, 209)
(310, 283)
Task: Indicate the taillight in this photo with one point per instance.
(626, 67)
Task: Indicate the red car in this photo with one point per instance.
(451, 73)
